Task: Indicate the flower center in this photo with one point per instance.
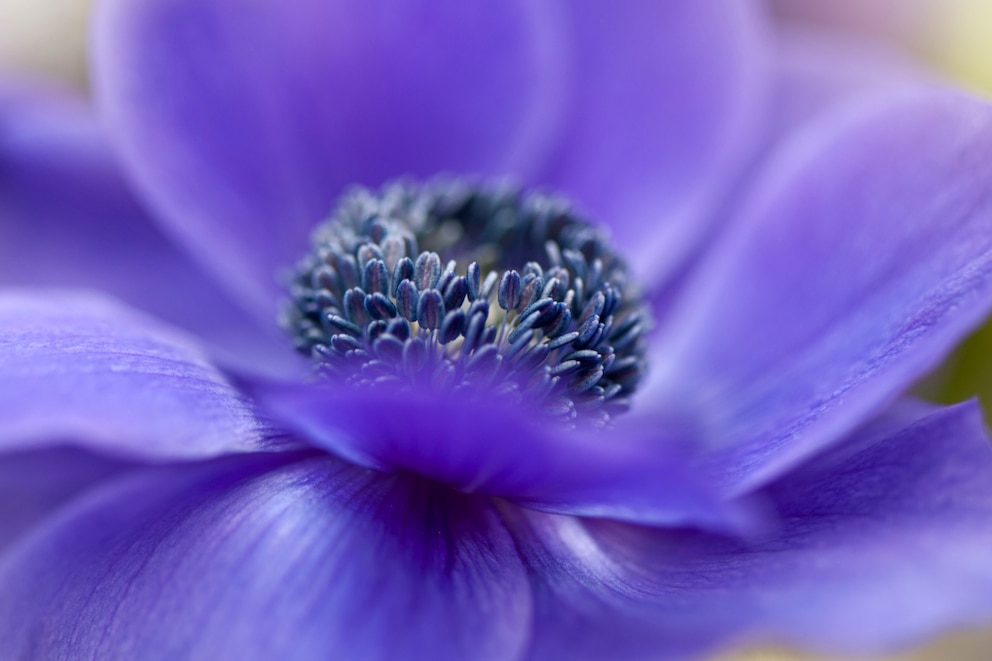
(450, 285)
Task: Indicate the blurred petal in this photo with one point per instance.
(666, 99)
(862, 257)
(819, 70)
(67, 218)
(883, 543)
(628, 473)
(255, 558)
(243, 122)
(814, 72)
(79, 368)
(35, 483)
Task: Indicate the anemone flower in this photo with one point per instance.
(372, 399)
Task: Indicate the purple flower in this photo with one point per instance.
(811, 232)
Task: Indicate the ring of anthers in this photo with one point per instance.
(451, 285)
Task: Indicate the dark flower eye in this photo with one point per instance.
(449, 285)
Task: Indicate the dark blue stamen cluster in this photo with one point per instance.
(448, 285)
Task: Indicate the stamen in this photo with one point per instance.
(448, 285)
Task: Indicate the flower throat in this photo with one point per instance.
(448, 285)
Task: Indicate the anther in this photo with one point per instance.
(450, 286)
(430, 309)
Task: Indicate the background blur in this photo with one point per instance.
(48, 38)
(954, 36)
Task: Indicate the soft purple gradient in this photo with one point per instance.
(894, 269)
(682, 109)
(338, 560)
(882, 540)
(36, 483)
(289, 107)
(641, 475)
(70, 219)
(76, 365)
(764, 486)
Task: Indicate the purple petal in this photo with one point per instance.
(76, 367)
(813, 72)
(242, 123)
(34, 484)
(816, 71)
(862, 256)
(255, 558)
(488, 447)
(70, 220)
(666, 98)
(882, 543)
